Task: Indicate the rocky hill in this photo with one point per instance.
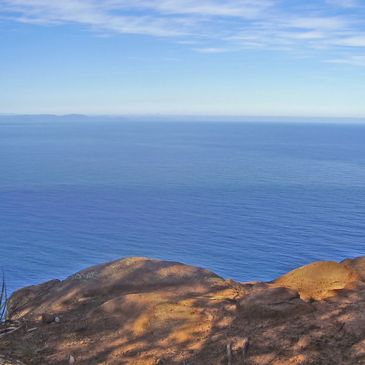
(141, 311)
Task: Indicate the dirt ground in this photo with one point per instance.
(146, 312)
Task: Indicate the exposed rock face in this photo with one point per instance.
(320, 280)
(141, 311)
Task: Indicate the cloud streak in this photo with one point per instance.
(356, 60)
(212, 26)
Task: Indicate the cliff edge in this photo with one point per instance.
(145, 312)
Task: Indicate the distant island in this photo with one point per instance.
(148, 312)
(13, 117)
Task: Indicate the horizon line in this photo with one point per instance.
(187, 116)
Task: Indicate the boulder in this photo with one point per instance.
(318, 280)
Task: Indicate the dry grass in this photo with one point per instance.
(3, 299)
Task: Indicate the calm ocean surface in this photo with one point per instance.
(248, 201)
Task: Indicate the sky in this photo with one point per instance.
(184, 57)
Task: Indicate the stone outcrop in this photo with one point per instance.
(321, 280)
(142, 311)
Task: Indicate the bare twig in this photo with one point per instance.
(3, 299)
(229, 353)
(9, 331)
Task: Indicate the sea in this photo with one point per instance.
(249, 201)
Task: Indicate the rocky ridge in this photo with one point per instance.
(146, 312)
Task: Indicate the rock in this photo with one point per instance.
(121, 276)
(318, 280)
(265, 301)
(26, 296)
(241, 346)
(357, 265)
(48, 318)
(71, 360)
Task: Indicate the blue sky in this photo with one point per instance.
(234, 57)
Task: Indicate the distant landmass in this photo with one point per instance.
(173, 118)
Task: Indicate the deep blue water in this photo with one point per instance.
(249, 201)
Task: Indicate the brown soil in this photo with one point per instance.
(141, 311)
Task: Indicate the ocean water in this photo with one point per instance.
(249, 201)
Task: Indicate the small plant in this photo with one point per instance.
(3, 299)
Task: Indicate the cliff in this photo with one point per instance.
(140, 311)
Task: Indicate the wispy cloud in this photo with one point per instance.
(212, 50)
(211, 26)
(344, 3)
(354, 60)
